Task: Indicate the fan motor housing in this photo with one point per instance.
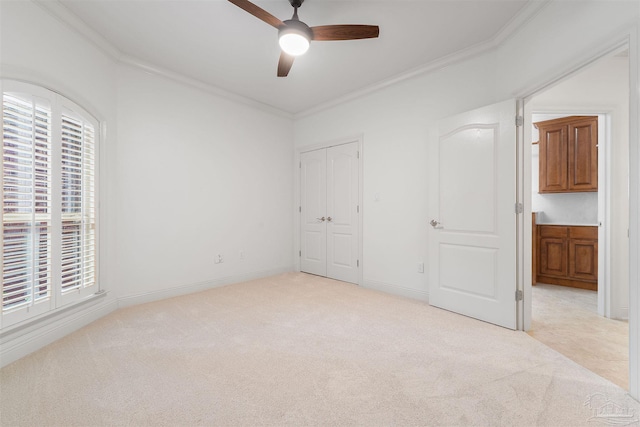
(293, 25)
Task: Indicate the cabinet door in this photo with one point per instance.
(583, 253)
(553, 257)
(583, 155)
(553, 251)
(553, 158)
(583, 259)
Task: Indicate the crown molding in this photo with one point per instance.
(200, 85)
(432, 66)
(72, 21)
(58, 11)
(530, 10)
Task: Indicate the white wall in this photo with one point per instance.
(39, 49)
(184, 175)
(395, 122)
(198, 176)
(603, 88)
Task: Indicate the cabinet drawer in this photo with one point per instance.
(583, 232)
(557, 231)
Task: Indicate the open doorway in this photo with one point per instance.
(586, 323)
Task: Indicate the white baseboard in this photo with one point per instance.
(19, 342)
(141, 298)
(397, 290)
(622, 313)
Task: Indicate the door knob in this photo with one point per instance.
(434, 223)
(329, 218)
(320, 219)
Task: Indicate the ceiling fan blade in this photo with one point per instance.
(284, 64)
(258, 12)
(345, 32)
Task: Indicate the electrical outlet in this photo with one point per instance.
(421, 267)
(218, 259)
(241, 255)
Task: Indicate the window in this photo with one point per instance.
(49, 215)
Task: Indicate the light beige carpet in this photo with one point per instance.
(299, 350)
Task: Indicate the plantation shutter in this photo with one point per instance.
(26, 214)
(78, 204)
(49, 214)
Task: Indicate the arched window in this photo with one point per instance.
(49, 209)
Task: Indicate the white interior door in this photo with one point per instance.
(342, 212)
(329, 215)
(472, 240)
(313, 185)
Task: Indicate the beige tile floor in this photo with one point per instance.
(566, 320)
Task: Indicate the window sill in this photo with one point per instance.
(35, 322)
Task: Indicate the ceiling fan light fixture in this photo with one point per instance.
(294, 37)
(294, 44)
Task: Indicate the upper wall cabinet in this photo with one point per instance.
(568, 154)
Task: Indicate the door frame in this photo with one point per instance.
(297, 199)
(604, 192)
(626, 38)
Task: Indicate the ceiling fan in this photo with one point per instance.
(294, 35)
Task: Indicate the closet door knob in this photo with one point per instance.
(329, 219)
(320, 219)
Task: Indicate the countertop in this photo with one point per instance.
(539, 221)
(567, 224)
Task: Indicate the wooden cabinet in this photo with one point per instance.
(568, 154)
(568, 256)
(534, 249)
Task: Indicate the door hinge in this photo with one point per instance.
(300, 253)
(519, 208)
(519, 121)
(358, 154)
(358, 209)
(358, 263)
(300, 165)
(519, 295)
(300, 209)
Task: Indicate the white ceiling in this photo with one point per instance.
(219, 44)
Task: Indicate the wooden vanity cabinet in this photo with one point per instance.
(568, 256)
(568, 154)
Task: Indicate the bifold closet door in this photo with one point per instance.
(329, 214)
